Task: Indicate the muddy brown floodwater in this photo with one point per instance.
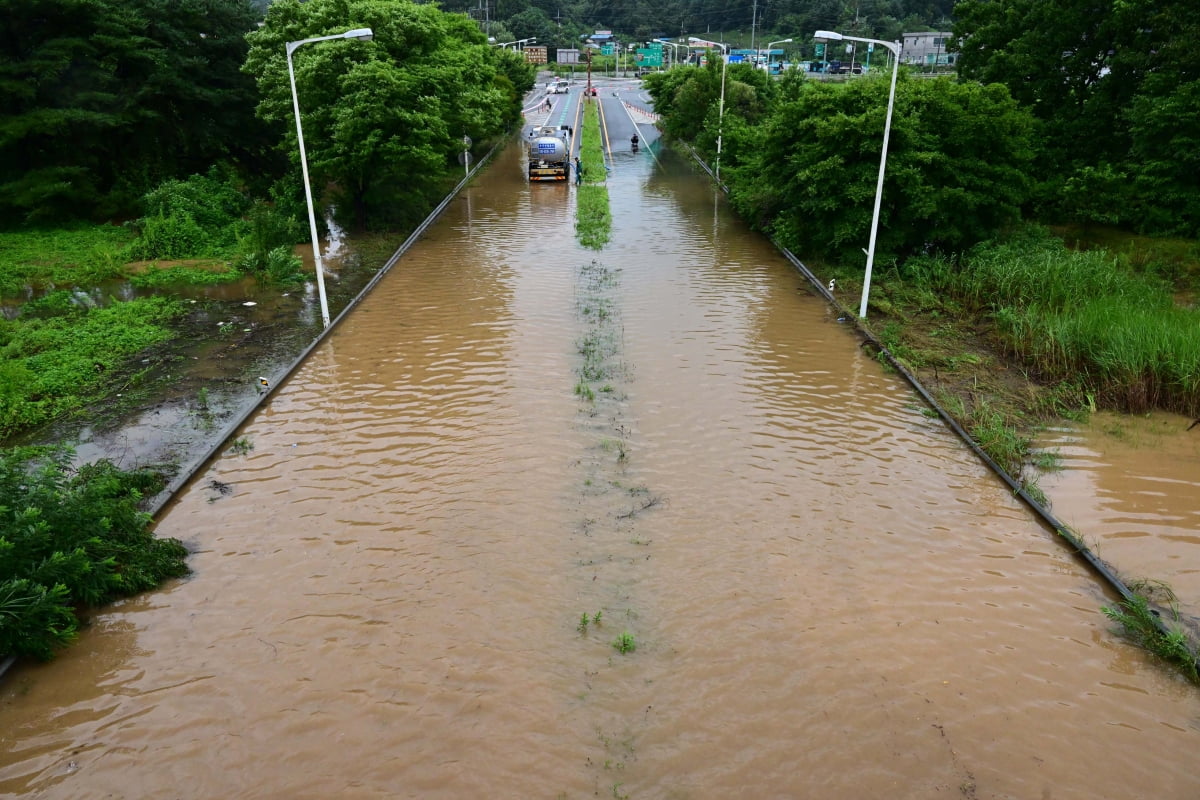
(828, 595)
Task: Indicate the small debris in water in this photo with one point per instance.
(249, 303)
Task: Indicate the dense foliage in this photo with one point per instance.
(71, 538)
(1116, 88)
(801, 157)
(561, 24)
(103, 99)
(384, 119)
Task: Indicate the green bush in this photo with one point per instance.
(213, 201)
(169, 237)
(265, 240)
(70, 538)
(191, 218)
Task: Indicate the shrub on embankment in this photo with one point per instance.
(1076, 316)
(71, 538)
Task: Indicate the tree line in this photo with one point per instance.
(1114, 89)
(561, 24)
(107, 99)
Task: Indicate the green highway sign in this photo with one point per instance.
(650, 56)
(606, 50)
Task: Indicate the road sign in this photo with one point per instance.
(607, 50)
(650, 57)
(820, 49)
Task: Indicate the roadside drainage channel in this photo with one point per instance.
(1078, 547)
(163, 498)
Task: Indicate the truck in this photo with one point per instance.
(550, 153)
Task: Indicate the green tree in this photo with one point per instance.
(955, 173)
(383, 119)
(1081, 68)
(104, 99)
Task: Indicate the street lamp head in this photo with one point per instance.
(832, 36)
(365, 34)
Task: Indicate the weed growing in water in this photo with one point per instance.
(241, 446)
(585, 391)
(1143, 626)
(1048, 460)
(585, 620)
(625, 643)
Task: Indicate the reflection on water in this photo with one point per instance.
(829, 597)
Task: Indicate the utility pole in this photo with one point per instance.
(753, 24)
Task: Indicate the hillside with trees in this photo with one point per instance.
(561, 24)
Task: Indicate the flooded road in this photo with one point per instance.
(1131, 485)
(516, 453)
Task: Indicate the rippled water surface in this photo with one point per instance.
(828, 596)
(1131, 485)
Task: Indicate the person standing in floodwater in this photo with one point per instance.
(578, 171)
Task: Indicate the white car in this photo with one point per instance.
(558, 87)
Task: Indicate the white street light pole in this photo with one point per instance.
(674, 50)
(894, 47)
(771, 45)
(517, 42)
(721, 107)
(364, 34)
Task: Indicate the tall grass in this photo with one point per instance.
(593, 218)
(1082, 316)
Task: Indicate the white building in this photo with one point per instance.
(926, 48)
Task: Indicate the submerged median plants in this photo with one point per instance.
(593, 218)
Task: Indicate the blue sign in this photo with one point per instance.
(547, 147)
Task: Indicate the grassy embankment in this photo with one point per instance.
(593, 219)
(1009, 336)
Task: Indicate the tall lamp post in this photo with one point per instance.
(674, 50)
(771, 45)
(721, 107)
(894, 47)
(519, 42)
(364, 34)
